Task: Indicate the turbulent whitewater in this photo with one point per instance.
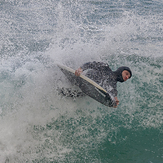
(37, 125)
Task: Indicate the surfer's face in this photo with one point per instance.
(125, 75)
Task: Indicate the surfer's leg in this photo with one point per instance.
(68, 92)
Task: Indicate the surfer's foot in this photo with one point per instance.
(68, 92)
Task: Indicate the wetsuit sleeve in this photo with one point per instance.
(111, 90)
(111, 87)
(95, 65)
(114, 92)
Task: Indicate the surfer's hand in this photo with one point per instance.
(117, 102)
(78, 72)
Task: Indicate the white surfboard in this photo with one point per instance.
(88, 86)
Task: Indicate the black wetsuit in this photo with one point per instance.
(102, 74)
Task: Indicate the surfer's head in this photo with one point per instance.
(123, 73)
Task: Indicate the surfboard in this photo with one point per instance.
(88, 86)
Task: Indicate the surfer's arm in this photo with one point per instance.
(88, 65)
(92, 65)
(95, 65)
(114, 92)
(78, 71)
(111, 89)
(117, 102)
(84, 67)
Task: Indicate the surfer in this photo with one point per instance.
(102, 74)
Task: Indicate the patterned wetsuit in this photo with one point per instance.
(102, 74)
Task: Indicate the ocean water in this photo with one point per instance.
(37, 125)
